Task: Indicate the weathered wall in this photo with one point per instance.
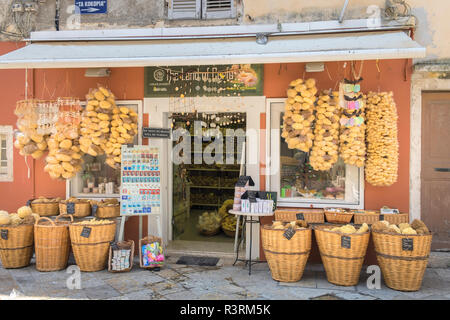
(432, 16)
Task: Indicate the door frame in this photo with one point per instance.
(158, 108)
(420, 82)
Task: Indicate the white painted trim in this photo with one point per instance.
(217, 31)
(9, 176)
(419, 83)
(158, 108)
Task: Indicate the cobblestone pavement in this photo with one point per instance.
(223, 282)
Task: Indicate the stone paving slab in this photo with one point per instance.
(180, 282)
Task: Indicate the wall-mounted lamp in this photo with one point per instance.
(262, 38)
(97, 72)
(315, 67)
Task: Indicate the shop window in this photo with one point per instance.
(97, 179)
(201, 9)
(6, 153)
(298, 185)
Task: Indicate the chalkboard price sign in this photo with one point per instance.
(289, 233)
(346, 242)
(162, 133)
(4, 234)
(86, 232)
(300, 216)
(94, 209)
(381, 217)
(70, 207)
(407, 244)
(29, 202)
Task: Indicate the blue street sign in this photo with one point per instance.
(92, 7)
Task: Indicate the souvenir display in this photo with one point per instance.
(352, 146)
(382, 139)
(324, 153)
(29, 139)
(299, 114)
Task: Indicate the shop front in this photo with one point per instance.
(161, 81)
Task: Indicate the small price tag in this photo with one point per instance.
(114, 245)
(70, 207)
(346, 242)
(407, 244)
(300, 216)
(289, 233)
(381, 217)
(29, 202)
(94, 209)
(86, 232)
(4, 234)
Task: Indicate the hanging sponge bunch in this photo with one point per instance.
(299, 116)
(382, 139)
(64, 156)
(324, 153)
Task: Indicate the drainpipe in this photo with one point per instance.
(58, 5)
(341, 17)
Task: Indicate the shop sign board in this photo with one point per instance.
(198, 81)
(163, 133)
(92, 7)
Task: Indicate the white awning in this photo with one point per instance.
(279, 49)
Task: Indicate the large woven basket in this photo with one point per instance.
(110, 211)
(45, 209)
(52, 243)
(16, 245)
(365, 216)
(286, 258)
(82, 209)
(91, 252)
(309, 215)
(338, 217)
(402, 259)
(342, 257)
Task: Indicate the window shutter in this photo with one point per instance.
(218, 9)
(184, 9)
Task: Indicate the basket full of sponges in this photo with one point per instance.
(286, 247)
(402, 253)
(342, 249)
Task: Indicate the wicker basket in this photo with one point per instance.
(129, 244)
(209, 233)
(402, 258)
(16, 245)
(82, 209)
(229, 233)
(52, 243)
(338, 217)
(90, 244)
(45, 209)
(365, 216)
(342, 257)
(395, 218)
(110, 211)
(147, 240)
(286, 258)
(309, 215)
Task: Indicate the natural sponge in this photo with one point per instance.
(24, 211)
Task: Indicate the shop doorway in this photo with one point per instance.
(435, 177)
(160, 111)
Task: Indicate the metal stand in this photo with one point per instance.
(125, 217)
(249, 262)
